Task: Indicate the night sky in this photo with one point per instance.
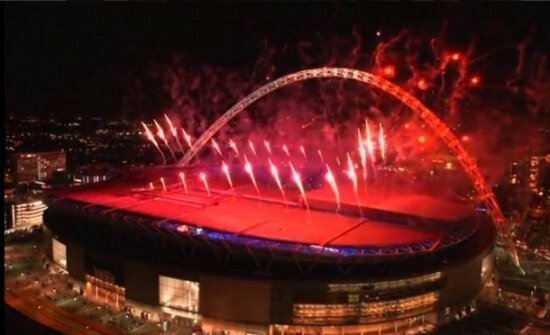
(67, 59)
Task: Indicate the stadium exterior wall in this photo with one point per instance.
(278, 305)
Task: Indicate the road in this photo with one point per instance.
(56, 318)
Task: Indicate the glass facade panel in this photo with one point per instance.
(179, 293)
(364, 312)
(385, 285)
(59, 253)
(101, 288)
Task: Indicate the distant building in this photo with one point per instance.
(534, 165)
(94, 173)
(8, 198)
(38, 166)
(23, 214)
(517, 174)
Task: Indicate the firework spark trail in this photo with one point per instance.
(162, 136)
(298, 181)
(174, 132)
(355, 51)
(163, 184)
(225, 170)
(381, 48)
(233, 146)
(338, 161)
(353, 177)
(285, 149)
(267, 147)
(216, 147)
(320, 153)
(491, 52)
(521, 47)
(252, 148)
(248, 169)
(151, 138)
(151, 187)
(303, 151)
(187, 137)
(332, 182)
(370, 146)
(457, 92)
(382, 142)
(362, 154)
(275, 174)
(183, 183)
(433, 47)
(202, 176)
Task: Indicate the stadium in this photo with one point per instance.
(244, 259)
(237, 257)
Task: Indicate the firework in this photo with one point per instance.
(174, 132)
(202, 176)
(183, 183)
(329, 177)
(389, 71)
(362, 154)
(248, 169)
(298, 181)
(151, 187)
(369, 144)
(216, 147)
(422, 84)
(267, 147)
(320, 153)
(353, 177)
(163, 184)
(252, 148)
(303, 151)
(162, 136)
(233, 146)
(382, 142)
(187, 137)
(275, 174)
(151, 138)
(225, 170)
(285, 149)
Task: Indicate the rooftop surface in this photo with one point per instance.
(242, 213)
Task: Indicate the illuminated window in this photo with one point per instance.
(59, 252)
(179, 293)
(385, 285)
(102, 289)
(28, 214)
(365, 312)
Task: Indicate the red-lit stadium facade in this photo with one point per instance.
(246, 265)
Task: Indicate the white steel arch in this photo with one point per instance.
(438, 127)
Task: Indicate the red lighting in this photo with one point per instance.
(389, 71)
(421, 139)
(465, 138)
(475, 80)
(407, 126)
(455, 56)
